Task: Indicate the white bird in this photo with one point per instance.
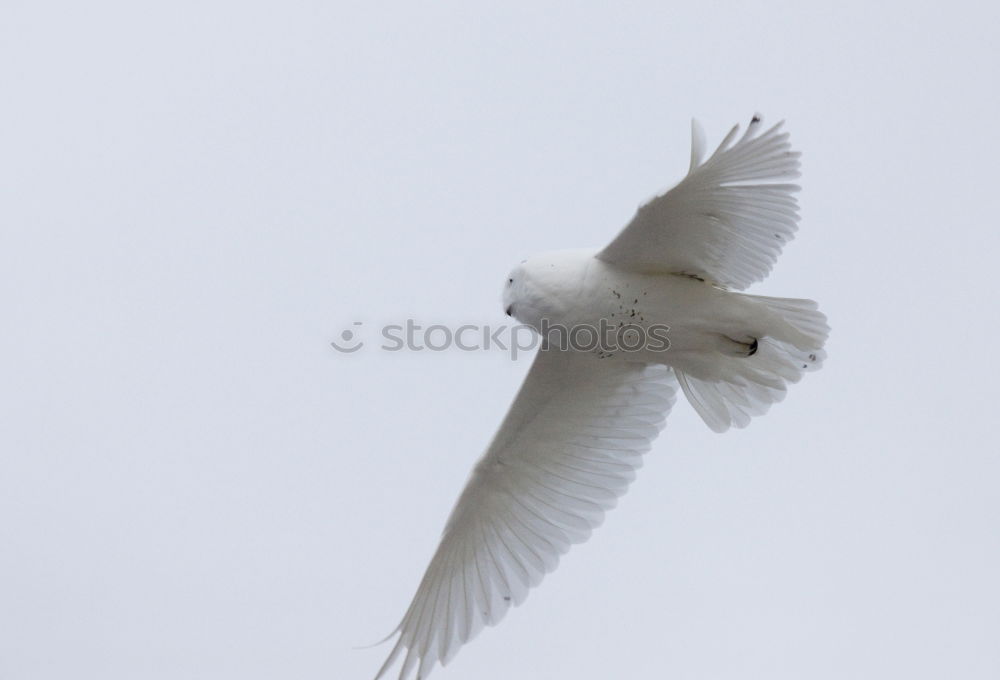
(575, 434)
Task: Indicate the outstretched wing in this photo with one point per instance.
(727, 221)
(567, 449)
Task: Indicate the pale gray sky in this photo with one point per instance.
(195, 198)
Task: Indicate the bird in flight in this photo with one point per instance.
(662, 302)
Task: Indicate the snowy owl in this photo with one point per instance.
(576, 432)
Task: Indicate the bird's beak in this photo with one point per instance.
(509, 311)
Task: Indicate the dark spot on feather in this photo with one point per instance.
(691, 276)
(506, 598)
(812, 357)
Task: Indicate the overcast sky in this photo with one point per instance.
(196, 198)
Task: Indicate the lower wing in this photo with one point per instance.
(567, 449)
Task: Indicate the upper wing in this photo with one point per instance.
(569, 446)
(727, 221)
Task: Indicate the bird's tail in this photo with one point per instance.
(787, 343)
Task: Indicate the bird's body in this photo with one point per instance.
(623, 328)
(574, 289)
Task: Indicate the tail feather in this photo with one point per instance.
(745, 386)
(809, 326)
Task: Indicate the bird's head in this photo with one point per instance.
(543, 286)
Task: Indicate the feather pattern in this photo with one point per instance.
(568, 448)
(726, 221)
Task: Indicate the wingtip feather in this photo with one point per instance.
(697, 144)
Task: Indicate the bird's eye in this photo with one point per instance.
(510, 281)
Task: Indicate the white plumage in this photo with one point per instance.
(577, 430)
(567, 449)
(727, 221)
